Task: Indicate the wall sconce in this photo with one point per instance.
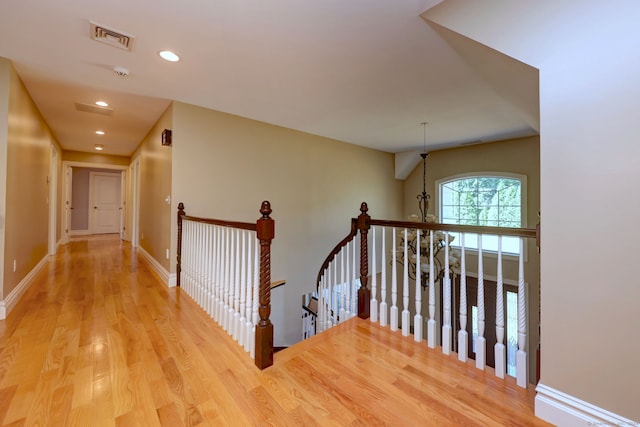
(166, 137)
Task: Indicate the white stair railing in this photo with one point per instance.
(431, 261)
(224, 266)
(337, 293)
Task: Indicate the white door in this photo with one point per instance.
(123, 205)
(105, 202)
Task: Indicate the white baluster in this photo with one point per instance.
(431, 325)
(521, 355)
(383, 280)
(249, 303)
(184, 267)
(186, 242)
(227, 279)
(394, 285)
(189, 258)
(202, 267)
(196, 262)
(499, 348)
(243, 290)
(481, 342)
(333, 269)
(209, 269)
(417, 319)
(405, 289)
(353, 310)
(219, 276)
(232, 281)
(201, 264)
(373, 314)
(321, 302)
(344, 296)
(213, 269)
(235, 325)
(463, 350)
(446, 327)
(256, 301)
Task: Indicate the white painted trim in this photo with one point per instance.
(165, 276)
(135, 195)
(52, 198)
(79, 232)
(12, 299)
(564, 410)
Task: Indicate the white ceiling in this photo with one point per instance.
(366, 72)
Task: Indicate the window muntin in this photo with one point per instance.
(484, 200)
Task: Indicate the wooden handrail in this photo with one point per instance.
(265, 231)
(456, 228)
(224, 223)
(336, 250)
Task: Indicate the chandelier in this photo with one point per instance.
(427, 245)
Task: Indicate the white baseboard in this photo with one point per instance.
(165, 276)
(14, 296)
(564, 410)
(79, 232)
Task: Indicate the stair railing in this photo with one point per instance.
(225, 267)
(422, 258)
(341, 292)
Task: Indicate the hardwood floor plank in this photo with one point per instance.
(60, 410)
(6, 395)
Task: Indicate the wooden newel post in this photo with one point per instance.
(179, 249)
(265, 229)
(364, 293)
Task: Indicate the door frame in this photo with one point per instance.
(134, 180)
(53, 199)
(66, 187)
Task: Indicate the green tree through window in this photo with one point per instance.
(494, 201)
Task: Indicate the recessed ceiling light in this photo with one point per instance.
(99, 147)
(102, 104)
(169, 56)
(99, 132)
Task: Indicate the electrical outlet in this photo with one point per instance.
(14, 265)
(167, 253)
(141, 236)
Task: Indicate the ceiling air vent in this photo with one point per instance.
(109, 36)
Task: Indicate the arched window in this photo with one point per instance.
(486, 199)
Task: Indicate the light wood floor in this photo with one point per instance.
(98, 340)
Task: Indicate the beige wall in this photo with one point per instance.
(155, 185)
(517, 156)
(589, 103)
(224, 166)
(28, 146)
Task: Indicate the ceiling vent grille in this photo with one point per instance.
(111, 37)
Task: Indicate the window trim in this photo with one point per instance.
(484, 174)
